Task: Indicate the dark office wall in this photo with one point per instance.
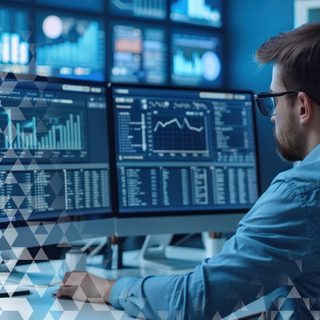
(250, 23)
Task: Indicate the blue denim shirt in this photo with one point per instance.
(276, 250)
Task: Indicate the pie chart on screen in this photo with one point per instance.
(211, 66)
(52, 27)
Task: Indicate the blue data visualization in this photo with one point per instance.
(189, 134)
(154, 9)
(139, 54)
(91, 5)
(61, 129)
(196, 59)
(14, 35)
(70, 47)
(202, 12)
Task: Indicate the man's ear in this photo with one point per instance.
(305, 108)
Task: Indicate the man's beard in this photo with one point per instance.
(291, 146)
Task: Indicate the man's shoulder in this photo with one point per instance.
(301, 179)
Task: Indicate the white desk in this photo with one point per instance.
(42, 305)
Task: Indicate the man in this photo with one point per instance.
(277, 244)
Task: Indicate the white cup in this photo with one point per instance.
(75, 260)
(212, 246)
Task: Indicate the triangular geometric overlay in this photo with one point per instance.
(286, 314)
(41, 85)
(41, 229)
(119, 314)
(41, 255)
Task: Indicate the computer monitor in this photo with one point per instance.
(70, 45)
(197, 58)
(139, 53)
(54, 174)
(204, 13)
(186, 159)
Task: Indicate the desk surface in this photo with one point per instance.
(41, 304)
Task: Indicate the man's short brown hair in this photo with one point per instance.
(297, 53)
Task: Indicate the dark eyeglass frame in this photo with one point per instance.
(278, 94)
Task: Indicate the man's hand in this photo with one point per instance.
(84, 286)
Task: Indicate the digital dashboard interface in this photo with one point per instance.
(139, 54)
(52, 163)
(70, 47)
(201, 12)
(14, 35)
(154, 9)
(179, 150)
(196, 58)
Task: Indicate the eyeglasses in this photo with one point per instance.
(267, 105)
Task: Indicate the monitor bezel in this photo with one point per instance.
(78, 215)
(113, 164)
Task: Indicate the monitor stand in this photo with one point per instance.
(153, 255)
(9, 259)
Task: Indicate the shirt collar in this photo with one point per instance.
(314, 154)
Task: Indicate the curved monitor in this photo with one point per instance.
(187, 158)
(54, 174)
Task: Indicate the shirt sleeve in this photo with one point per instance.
(270, 246)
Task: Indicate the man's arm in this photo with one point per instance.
(268, 242)
(85, 286)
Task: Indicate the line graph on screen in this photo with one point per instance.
(179, 134)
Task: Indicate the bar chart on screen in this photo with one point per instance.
(70, 47)
(14, 34)
(203, 12)
(196, 59)
(61, 132)
(154, 9)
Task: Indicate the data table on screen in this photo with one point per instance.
(139, 54)
(201, 12)
(90, 5)
(196, 59)
(70, 47)
(14, 35)
(154, 9)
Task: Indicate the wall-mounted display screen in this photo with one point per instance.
(70, 47)
(202, 12)
(154, 9)
(126, 41)
(91, 5)
(139, 54)
(196, 59)
(14, 35)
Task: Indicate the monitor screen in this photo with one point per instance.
(196, 58)
(70, 47)
(52, 160)
(201, 12)
(15, 31)
(139, 53)
(154, 9)
(87, 5)
(184, 150)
